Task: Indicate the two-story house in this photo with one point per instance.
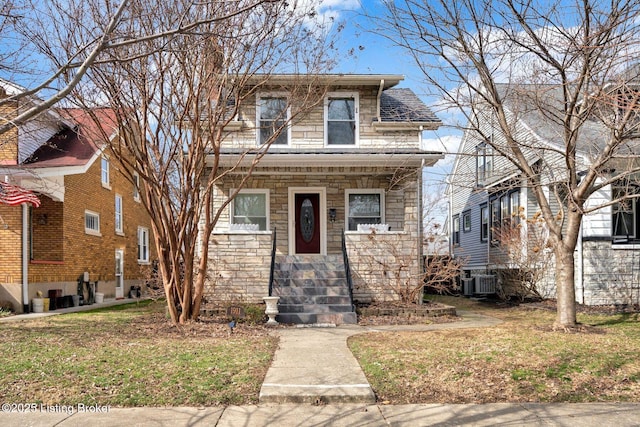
(90, 217)
(489, 199)
(341, 185)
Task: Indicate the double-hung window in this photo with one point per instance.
(118, 213)
(250, 209)
(143, 245)
(484, 163)
(504, 212)
(136, 187)
(624, 213)
(273, 116)
(364, 207)
(484, 223)
(104, 172)
(341, 119)
(456, 230)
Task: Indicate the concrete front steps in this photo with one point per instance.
(313, 289)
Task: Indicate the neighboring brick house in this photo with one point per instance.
(354, 160)
(90, 217)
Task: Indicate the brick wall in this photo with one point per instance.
(8, 140)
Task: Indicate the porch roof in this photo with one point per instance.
(328, 157)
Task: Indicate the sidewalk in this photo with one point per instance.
(314, 380)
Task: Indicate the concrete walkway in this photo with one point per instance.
(314, 368)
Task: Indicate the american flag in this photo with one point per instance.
(13, 195)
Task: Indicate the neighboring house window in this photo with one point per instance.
(504, 212)
(92, 223)
(484, 223)
(624, 213)
(105, 172)
(466, 221)
(364, 207)
(341, 119)
(484, 163)
(272, 118)
(136, 187)
(456, 230)
(118, 212)
(143, 244)
(251, 207)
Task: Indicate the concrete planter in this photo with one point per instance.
(272, 309)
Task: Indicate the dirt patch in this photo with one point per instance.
(397, 313)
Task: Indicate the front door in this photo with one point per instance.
(307, 223)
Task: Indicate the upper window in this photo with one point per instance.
(136, 187)
(341, 119)
(484, 163)
(273, 116)
(105, 171)
(118, 213)
(624, 213)
(143, 245)
(364, 207)
(92, 223)
(250, 210)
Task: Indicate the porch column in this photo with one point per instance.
(25, 258)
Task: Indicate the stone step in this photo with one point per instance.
(310, 283)
(314, 308)
(314, 299)
(311, 318)
(309, 274)
(310, 291)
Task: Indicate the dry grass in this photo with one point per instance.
(520, 360)
(132, 356)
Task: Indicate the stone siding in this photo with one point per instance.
(239, 267)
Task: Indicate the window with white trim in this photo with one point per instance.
(136, 187)
(92, 223)
(250, 210)
(341, 119)
(272, 119)
(104, 172)
(364, 207)
(484, 163)
(624, 212)
(118, 213)
(484, 223)
(143, 244)
(455, 221)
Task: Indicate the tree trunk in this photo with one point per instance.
(565, 286)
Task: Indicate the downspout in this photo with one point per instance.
(380, 89)
(25, 258)
(420, 215)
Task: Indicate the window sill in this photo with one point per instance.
(142, 262)
(107, 186)
(120, 233)
(93, 233)
(627, 245)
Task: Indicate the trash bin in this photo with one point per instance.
(55, 299)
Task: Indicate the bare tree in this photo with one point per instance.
(45, 49)
(466, 48)
(181, 100)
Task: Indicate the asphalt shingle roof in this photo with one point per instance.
(402, 105)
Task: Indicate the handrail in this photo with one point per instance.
(347, 266)
(273, 262)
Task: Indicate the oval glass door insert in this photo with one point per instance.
(307, 220)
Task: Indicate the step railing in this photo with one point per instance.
(347, 267)
(273, 262)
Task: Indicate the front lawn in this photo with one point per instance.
(520, 360)
(132, 356)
